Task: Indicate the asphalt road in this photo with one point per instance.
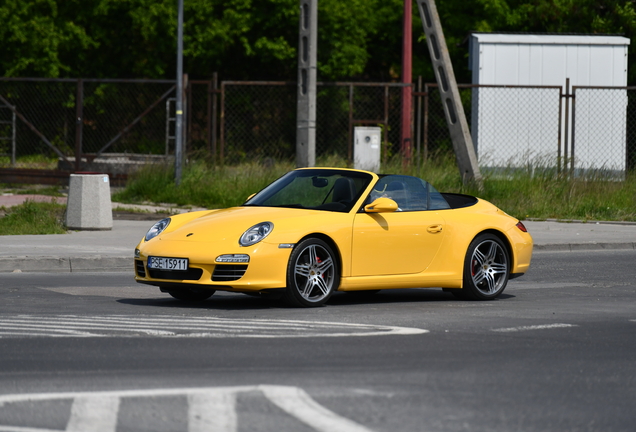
(98, 352)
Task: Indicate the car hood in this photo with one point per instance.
(230, 224)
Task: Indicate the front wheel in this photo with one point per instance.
(312, 274)
(486, 268)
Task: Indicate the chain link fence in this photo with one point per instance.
(48, 123)
(603, 130)
(45, 105)
(258, 120)
(125, 117)
(516, 126)
(590, 128)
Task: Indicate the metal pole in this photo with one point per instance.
(79, 123)
(385, 156)
(350, 145)
(566, 142)
(222, 131)
(418, 129)
(307, 60)
(187, 115)
(426, 94)
(215, 88)
(572, 135)
(453, 109)
(178, 152)
(559, 143)
(13, 146)
(407, 53)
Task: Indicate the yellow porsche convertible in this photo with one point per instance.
(319, 230)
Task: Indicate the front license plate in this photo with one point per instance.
(162, 263)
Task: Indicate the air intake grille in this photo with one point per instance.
(230, 272)
(139, 267)
(189, 274)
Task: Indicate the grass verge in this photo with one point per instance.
(522, 194)
(33, 218)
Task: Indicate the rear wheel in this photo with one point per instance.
(190, 295)
(486, 268)
(312, 274)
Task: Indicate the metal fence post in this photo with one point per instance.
(79, 124)
(560, 145)
(566, 140)
(350, 140)
(187, 139)
(222, 132)
(573, 127)
(13, 142)
(214, 125)
(418, 124)
(425, 139)
(211, 118)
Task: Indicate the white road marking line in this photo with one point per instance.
(209, 409)
(25, 429)
(534, 327)
(69, 329)
(212, 411)
(297, 403)
(180, 327)
(29, 333)
(178, 322)
(93, 413)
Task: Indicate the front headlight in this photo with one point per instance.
(157, 229)
(256, 233)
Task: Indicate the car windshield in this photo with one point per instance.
(317, 189)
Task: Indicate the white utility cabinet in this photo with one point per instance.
(366, 148)
(520, 126)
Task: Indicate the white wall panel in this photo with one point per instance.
(517, 127)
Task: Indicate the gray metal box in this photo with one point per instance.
(366, 148)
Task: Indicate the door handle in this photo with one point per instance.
(433, 229)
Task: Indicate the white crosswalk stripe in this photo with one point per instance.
(93, 413)
(209, 409)
(189, 327)
(212, 411)
(533, 327)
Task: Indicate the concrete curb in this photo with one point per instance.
(576, 221)
(48, 264)
(574, 247)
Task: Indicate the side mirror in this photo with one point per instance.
(381, 205)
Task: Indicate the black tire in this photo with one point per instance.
(486, 268)
(191, 296)
(313, 274)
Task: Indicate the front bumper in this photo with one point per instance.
(267, 267)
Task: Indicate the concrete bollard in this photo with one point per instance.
(88, 206)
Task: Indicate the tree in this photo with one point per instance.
(257, 39)
(36, 36)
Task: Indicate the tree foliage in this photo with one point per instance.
(257, 39)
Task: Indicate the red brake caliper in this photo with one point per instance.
(318, 260)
